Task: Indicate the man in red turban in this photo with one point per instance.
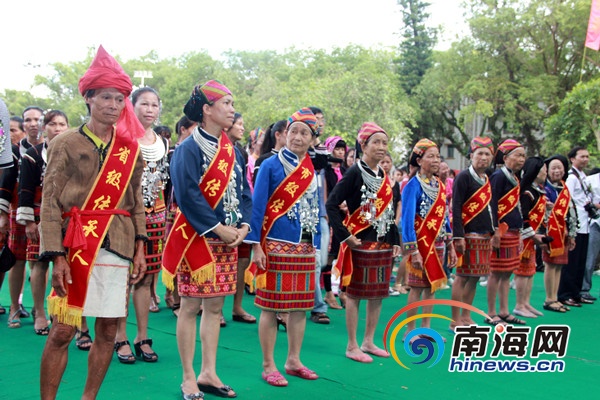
(95, 194)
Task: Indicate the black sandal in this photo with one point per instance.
(175, 309)
(124, 358)
(83, 340)
(511, 319)
(492, 321)
(147, 357)
(319, 318)
(554, 306)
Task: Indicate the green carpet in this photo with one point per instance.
(239, 361)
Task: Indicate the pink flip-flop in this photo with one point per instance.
(274, 379)
(303, 373)
(362, 358)
(376, 352)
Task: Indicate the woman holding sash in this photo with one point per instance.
(284, 235)
(214, 209)
(533, 207)
(506, 242)
(561, 227)
(425, 229)
(368, 236)
(472, 227)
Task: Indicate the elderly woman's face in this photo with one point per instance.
(556, 171)
(106, 105)
(299, 138)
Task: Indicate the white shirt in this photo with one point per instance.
(580, 199)
(593, 182)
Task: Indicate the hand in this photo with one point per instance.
(4, 223)
(228, 234)
(258, 256)
(61, 276)
(538, 239)
(495, 242)
(31, 230)
(460, 246)
(571, 244)
(344, 207)
(353, 242)
(452, 256)
(139, 263)
(396, 251)
(417, 260)
(242, 232)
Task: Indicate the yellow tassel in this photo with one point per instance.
(249, 279)
(346, 280)
(440, 283)
(206, 273)
(63, 313)
(168, 279)
(261, 281)
(336, 272)
(416, 272)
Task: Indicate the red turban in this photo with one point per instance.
(105, 72)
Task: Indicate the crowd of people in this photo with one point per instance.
(111, 204)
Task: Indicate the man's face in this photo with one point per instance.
(320, 122)
(581, 159)
(16, 133)
(106, 105)
(31, 123)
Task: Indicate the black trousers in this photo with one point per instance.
(571, 278)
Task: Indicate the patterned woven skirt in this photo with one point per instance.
(420, 280)
(17, 240)
(527, 262)
(33, 248)
(507, 257)
(476, 260)
(155, 227)
(290, 277)
(225, 279)
(562, 259)
(371, 270)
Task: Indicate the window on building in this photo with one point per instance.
(450, 153)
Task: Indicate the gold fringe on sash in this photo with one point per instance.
(59, 309)
(168, 279)
(205, 273)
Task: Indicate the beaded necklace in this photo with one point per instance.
(208, 145)
(156, 174)
(368, 200)
(307, 207)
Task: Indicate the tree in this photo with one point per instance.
(576, 122)
(512, 73)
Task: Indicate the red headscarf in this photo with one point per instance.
(105, 72)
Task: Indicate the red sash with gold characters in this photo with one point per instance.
(536, 218)
(183, 237)
(508, 202)
(557, 222)
(289, 191)
(477, 203)
(428, 230)
(88, 227)
(355, 224)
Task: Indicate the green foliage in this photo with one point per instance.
(576, 122)
(351, 85)
(509, 76)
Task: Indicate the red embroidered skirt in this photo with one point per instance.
(371, 270)
(290, 277)
(562, 259)
(422, 281)
(225, 274)
(155, 227)
(476, 260)
(527, 263)
(33, 248)
(17, 240)
(507, 257)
